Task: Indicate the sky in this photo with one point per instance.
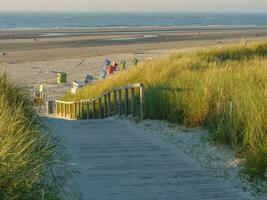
(134, 5)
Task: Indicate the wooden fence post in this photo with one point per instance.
(79, 110)
(100, 107)
(142, 100)
(65, 110)
(61, 109)
(109, 104)
(93, 109)
(126, 97)
(49, 107)
(119, 102)
(132, 100)
(56, 108)
(105, 105)
(70, 111)
(115, 101)
(82, 109)
(87, 110)
(74, 110)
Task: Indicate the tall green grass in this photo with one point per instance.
(26, 150)
(223, 89)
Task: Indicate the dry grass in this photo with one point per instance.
(26, 149)
(223, 89)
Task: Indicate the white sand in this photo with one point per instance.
(32, 74)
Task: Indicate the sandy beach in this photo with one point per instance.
(182, 117)
(32, 55)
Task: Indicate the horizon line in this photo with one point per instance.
(119, 11)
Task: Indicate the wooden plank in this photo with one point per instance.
(132, 101)
(126, 100)
(109, 104)
(94, 111)
(142, 101)
(117, 160)
(65, 102)
(100, 108)
(136, 85)
(119, 102)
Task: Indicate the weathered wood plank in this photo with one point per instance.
(117, 160)
(65, 102)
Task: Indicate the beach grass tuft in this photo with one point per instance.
(223, 89)
(27, 151)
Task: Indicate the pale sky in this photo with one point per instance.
(133, 5)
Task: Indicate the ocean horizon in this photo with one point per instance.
(87, 20)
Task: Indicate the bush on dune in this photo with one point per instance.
(223, 89)
(26, 150)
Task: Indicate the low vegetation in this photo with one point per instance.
(26, 150)
(223, 89)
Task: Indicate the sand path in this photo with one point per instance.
(118, 160)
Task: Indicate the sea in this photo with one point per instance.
(87, 20)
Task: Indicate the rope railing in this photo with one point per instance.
(122, 100)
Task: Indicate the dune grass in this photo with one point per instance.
(26, 149)
(223, 89)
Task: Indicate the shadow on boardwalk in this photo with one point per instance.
(117, 160)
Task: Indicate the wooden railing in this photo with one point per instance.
(119, 101)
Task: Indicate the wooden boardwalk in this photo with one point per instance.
(118, 161)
